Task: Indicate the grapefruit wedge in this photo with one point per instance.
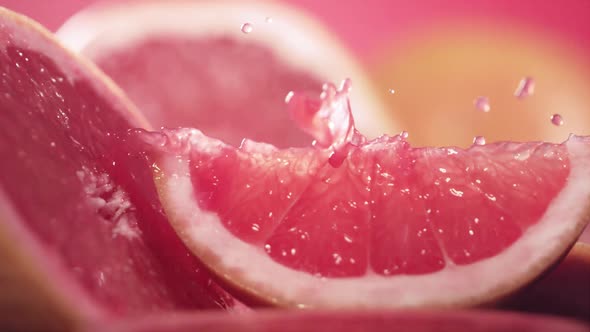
(357, 223)
(81, 238)
(189, 64)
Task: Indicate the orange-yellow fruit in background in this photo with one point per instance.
(437, 76)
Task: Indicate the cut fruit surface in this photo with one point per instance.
(389, 226)
(188, 64)
(76, 234)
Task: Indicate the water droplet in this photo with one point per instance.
(246, 28)
(482, 104)
(557, 120)
(267, 248)
(479, 140)
(256, 227)
(52, 144)
(471, 232)
(404, 134)
(328, 119)
(268, 19)
(391, 91)
(293, 251)
(525, 88)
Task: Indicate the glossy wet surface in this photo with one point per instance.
(389, 209)
(64, 175)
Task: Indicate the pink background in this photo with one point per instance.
(366, 26)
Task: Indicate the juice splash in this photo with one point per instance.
(328, 119)
(482, 104)
(557, 120)
(247, 28)
(479, 140)
(525, 88)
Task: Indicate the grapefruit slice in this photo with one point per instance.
(188, 64)
(77, 241)
(375, 321)
(371, 223)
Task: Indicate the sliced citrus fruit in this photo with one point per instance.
(80, 237)
(371, 223)
(190, 64)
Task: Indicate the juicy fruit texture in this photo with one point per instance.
(65, 206)
(376, 321)
(342, 231)
(389, 209)
(184, 66)
(396, 210)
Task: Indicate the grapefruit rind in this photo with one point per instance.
(253, 271)
(295, 38)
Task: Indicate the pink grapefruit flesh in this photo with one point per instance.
(75, 234)
(188, 64)
(389, 225)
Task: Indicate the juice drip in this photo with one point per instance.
(328, 119)
(525, 88)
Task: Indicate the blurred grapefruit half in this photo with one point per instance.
(188, 63)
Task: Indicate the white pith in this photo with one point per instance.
(251, 268)
(295, 39)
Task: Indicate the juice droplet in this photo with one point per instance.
(268, 19)
(557, 120)
(391, 91)
(482, 104)
(479, 140)
(328, 119)
(404, 134)
(246, 28)
(525, 88)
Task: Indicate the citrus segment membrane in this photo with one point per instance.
(389, 209)
(391, 220)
